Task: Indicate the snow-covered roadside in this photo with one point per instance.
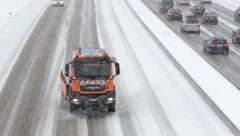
(16, 31)
(225, 96)
(229, 4)
(10, 8)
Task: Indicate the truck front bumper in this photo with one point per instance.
(89, 103)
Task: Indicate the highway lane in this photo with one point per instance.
(82, 33)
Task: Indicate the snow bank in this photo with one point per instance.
(221, 95)
(10, 8)
(16, 31)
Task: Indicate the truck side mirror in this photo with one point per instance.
(117, 68)
(67, 69)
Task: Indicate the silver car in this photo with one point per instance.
(58, 3)
(190, 25)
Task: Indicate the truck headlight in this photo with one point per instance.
(75, 101)
(110, 100)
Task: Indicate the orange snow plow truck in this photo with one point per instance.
(90, 85)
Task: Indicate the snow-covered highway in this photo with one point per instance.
(154, 97)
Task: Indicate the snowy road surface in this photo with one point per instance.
(153, 96)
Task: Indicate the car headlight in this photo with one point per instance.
(75, 101)
(54, 2)
(110, 100)
(61, 2)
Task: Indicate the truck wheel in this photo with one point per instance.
(111, 108)
(72, 108)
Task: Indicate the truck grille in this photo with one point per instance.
(92, 87)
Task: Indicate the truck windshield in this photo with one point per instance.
(92, 67)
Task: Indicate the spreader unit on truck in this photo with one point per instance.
(89, 80)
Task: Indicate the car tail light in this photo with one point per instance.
(180, 13)
(205, 18)
(226, 45)
(212, 46)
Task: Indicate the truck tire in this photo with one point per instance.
(111, 108)
(72, 108)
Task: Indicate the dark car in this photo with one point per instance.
(210, 18)
(174, 14)
(165, 5)
(205, 1)
(216, 44)
(197, 10)
(236, 36)
(237, 15)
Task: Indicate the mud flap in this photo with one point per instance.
(65, 94)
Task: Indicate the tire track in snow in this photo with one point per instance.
(88, 33)
(65, 122)
(46, 124)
